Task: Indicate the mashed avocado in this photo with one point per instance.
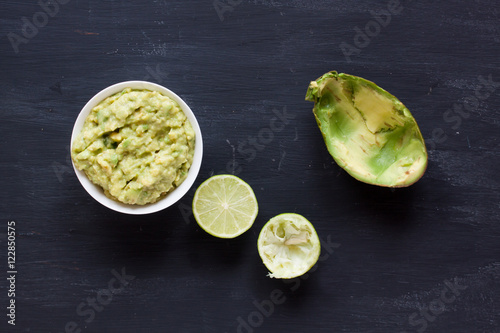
(138, 145)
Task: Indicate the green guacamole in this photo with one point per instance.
(138, 145)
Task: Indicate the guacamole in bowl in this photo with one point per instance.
(138, 143)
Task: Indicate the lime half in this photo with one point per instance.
(288, 245)
(225, 206)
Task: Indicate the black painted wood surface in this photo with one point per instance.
(420, 259)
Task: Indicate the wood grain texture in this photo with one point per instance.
(389, 256)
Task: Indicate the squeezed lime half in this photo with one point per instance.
(288, 245)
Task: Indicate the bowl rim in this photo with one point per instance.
(171, 198)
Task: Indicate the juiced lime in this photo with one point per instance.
(225, 206)
(288, 245)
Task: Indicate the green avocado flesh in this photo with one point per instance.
(368, 131)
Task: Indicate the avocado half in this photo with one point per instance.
(368, 131)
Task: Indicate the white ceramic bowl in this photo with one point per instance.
(96, 191)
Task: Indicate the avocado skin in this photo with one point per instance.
(367, 130)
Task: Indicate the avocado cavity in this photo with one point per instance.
(368, 131)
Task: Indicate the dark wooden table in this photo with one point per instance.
(419, 259)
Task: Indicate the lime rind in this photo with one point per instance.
(288, 246)
(225, 206)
